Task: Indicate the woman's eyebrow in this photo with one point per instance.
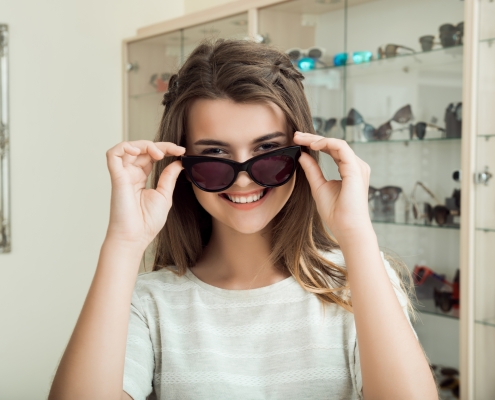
(212, 142)
(269, 137)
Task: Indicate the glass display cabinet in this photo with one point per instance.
(411, 87)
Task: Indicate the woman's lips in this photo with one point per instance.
(247, 206)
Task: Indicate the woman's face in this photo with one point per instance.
(234, 131)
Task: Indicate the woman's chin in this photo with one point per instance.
(248, 227)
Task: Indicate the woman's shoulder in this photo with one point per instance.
(165, 279)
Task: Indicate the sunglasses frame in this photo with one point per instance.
(188, 162)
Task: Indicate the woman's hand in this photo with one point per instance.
(342, 204)
(137, 214)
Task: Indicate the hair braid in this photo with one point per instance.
(172, 92)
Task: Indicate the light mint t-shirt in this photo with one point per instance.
(191, 340)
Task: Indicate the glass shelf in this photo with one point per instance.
(419, 60)
(485, 229)
(486, 136)
(487, 40)
(487, 322)
(427, 306)
(455, 227)
(403, 140)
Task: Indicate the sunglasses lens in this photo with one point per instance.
(384, 131)
(369, 132)
(294, 55)
(329, 124)
(212, 175)
(340, 59)
(315, 53)
(354, 118)
(273, 170)
(421, 130)
(390, 194)
(403, 115)
(440, 213)
(426, 42)
(390, 50)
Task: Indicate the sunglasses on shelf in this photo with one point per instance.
(384, 131)
(214, 174)
(392, 50)
(419, 129)
(439, 213)
(451, 35)
(387, 194)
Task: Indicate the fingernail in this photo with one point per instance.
(300, 133)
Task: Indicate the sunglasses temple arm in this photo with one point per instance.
(429, 192)
(436, 127)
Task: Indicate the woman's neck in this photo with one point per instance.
(234, 260)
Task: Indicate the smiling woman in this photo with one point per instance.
(249, 296)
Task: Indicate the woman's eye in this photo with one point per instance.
(269, 146)
(212, 150)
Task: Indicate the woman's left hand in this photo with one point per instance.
(342, 204)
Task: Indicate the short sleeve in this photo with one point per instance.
(401, 296)
(139, 357)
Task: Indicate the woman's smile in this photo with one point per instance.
(247, 200)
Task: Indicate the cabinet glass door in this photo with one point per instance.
(484, 193)
(398, 65)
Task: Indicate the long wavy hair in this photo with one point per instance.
(247, 72)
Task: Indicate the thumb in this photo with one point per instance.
(168, 178)
(313, 172)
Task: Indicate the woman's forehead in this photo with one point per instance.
(226, 120)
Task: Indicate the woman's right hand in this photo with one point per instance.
(137, 214)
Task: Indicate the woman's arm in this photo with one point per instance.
(393, 365)
(92, 366)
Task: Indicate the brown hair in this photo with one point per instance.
(245, 71)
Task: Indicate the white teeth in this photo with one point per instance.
(249, 199)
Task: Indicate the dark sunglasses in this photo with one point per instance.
(391, 50)
(213, 174)
(387, 194)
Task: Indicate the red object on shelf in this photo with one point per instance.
(161, 85)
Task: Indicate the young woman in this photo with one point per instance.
(249, 297)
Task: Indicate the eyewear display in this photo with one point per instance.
(384, 131)
(214, 174)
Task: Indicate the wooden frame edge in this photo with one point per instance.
(468, 216)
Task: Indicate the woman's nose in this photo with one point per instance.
(243, 179)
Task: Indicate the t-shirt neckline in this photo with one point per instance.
(239, 293)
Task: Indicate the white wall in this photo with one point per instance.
(65, 109)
